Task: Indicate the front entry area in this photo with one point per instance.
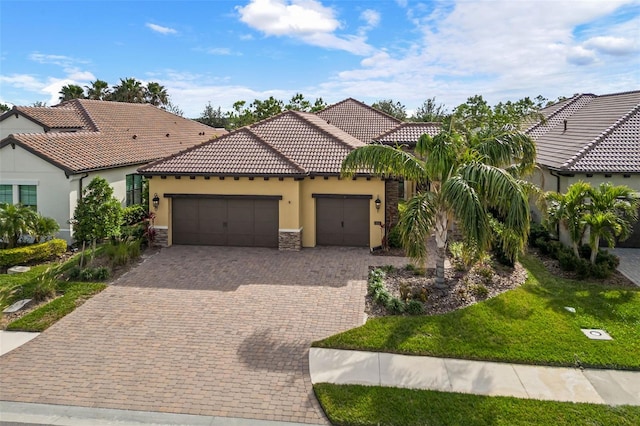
(225, 221)
(342, 220)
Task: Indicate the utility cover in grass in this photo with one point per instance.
(17, 306)
(596, 334)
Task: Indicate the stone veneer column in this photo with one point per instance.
(162, 237)
(290, 240)
(391, 197)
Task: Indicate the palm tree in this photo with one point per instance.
(43, 228)
(71, 91)
(99, 90)
(156, 94)
(568, 210)
(464, 180)
(129, 90)
(16, 220)
(612, 212)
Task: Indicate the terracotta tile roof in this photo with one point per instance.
(289, 144)
(359, 119)
(239, 153)
(602, 135)
(117, 134)
(60, 117)
(556, 113)
(408, 133)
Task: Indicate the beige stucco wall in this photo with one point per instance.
(550, 182)
(289, 205)
(296, 208)
(12, 125)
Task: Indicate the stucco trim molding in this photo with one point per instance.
(290, 230)
(225, 196)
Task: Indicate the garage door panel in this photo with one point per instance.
(185, 222)
(356, 222)
(221, 221)
(342, 221)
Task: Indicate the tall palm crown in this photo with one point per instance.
(71, 91)
(470, 178)
(99, 90)
(156, 94)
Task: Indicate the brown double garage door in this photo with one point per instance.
(248, 221)
(226, 221)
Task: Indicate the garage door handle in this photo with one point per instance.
(342, 223)
(224, 224)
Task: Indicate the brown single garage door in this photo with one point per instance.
(342, 220)
(225, 221)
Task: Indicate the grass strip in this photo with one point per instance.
(528, 325)
(370, 405)
(74, 294)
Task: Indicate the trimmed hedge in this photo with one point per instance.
(34, 252)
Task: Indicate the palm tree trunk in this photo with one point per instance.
(594, 252)
(574, 245)
(441, 226)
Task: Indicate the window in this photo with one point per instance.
(134, 189)
(29, 196)
(6, 194)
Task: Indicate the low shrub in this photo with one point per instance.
(394, 239)
(132, 215)
(538, 234)
(32, 253)
(395, 305)
(479, 290)
(122, 252)
(45, 286)
(415, 308)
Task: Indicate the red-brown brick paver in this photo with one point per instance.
(199, 330)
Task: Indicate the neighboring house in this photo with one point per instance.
(590, 138)
(276, 183)
(49, 154)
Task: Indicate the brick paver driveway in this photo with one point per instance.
(199, 330)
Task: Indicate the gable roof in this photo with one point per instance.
(602, 134)
(114, 134)
(358, 119)
(289, 144)
(62, 117)
(408, 133)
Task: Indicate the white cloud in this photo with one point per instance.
(281, 17)
(371, 17)
(501, 49)
(580, 56)
(612, 45)
(160, 29)
(306, 20)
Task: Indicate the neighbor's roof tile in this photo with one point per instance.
(358, 119)
(408, 133)
(117, 134)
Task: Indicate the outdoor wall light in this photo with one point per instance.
(378, 203)
(156, 201)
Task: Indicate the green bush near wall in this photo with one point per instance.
(35, 252)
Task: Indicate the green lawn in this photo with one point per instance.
(363, 405)
(74, 294)
(21, 286)
(526, 325)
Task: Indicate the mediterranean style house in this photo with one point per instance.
(591, 138)
(277, 183)
(49, 154)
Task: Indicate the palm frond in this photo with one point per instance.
(385, 161)
(469, 210)
(415, 224)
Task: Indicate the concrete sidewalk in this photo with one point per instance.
(613, 387)
(9, 340)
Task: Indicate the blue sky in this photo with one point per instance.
(224, 51)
